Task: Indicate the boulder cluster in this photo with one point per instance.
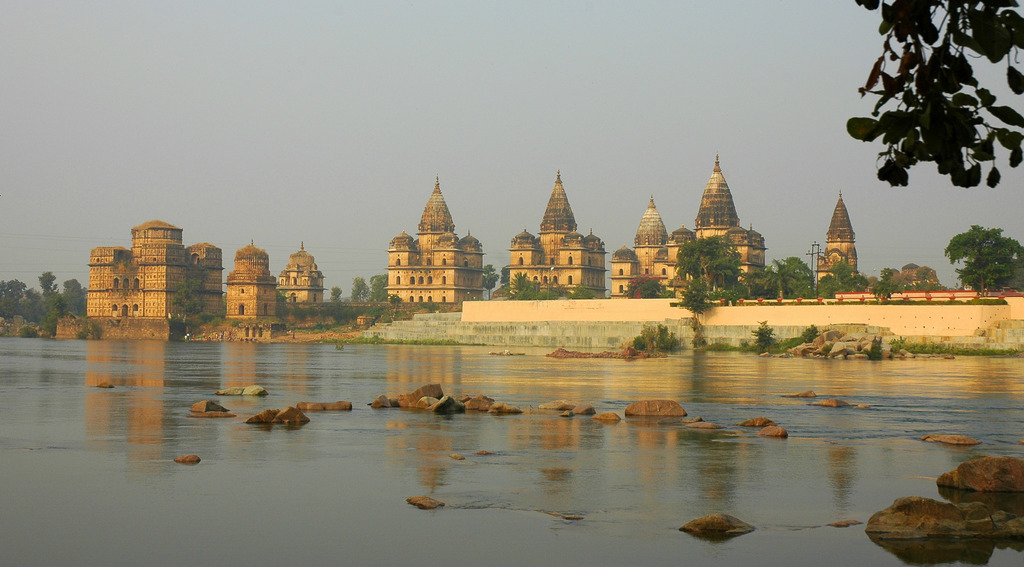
(835, 344)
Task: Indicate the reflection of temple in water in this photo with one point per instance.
(842, 461)
(408, 369)
(430, 446)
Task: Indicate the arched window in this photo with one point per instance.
(241, 310)
(570, 280)
(444, 279)
(124, 310)
(266, 309)
(421, 299)
(430, 262)
(535, 278)
(620, 271)
(421, 279)
(663, 272)
(647, 271)
(570, 260)
(552, 261)
(620, 289)
(135, 310)
(135, 283)
(444, 299)
(555, 279)
(295, 281)
(545, 279)
(241, 290)
(293, 298)
(195, 259)
(465, 263)
(398, 280)
(520, 260)
(113, 310)
(398, 261)
(430, 299)
(430, 279)
(117, 283)
(444, 261)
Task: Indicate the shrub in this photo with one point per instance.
(764, 336)
(656, 338)
(809, 334)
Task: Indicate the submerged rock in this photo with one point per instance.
(424, 502)
(447, 404)
(104, 385)
(212, 414)
(950, 439)
(717, 526)
(987, 474)
(584, 409)
(608, 417)
(265, 416)
(756, 422)
(187, 459)
(382, 401)
(655, 408)
(832, 403)
(806, 394)
(324, 406)
(425, 391)
(425, 402)
(478, 402)
(773, 431)
(501, 408)
(252, 390)
(291, 416)
(559, 405)
(703, 425)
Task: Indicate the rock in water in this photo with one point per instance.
(187, 459)
(424, 502)
(950, 439)
(448, 404)
(717, 526)
(291, 416)
(655, 408)
(832, 403)
(806, 394)
(987, 474)
(501, 408)
(207, 405)
(915, 517)
(773, 431)
(265, 416)
(382, 401)
(608, 417)
(756, 422)
(324, 406)
(559, 405)
(703, 425)
(254, 390)
(479, 402)
(584, 409)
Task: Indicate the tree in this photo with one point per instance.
(645, 287)
(360, 291)
(935, 108)
(581, 292)
(335, 293)
(764, 336)
(47, 285)
(379, 288)
(695, 299)
(505, 275)
(714, 259)
(887, 284)
(842, 277)
(11, 294)
(187, 300)
(789, 277)
(490, 278)
(988, 257)
(521, 288)
(74, 297)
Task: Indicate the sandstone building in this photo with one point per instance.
(142, 282)
(438, 266)
(654, 252)
(251, 289)
(301, 281)
(560, 257)
(839, 241)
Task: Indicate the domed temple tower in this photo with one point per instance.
(301, 281)
(438, 266)
(251, 289)
(560, 257)
(839, 241)
(143, 281)
(655, 252)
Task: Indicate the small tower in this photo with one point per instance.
(301, 281)
(839, 241)
(251, 289)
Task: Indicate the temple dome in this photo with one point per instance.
(840, 228)
(651, 231)
(524, 240)
(573, 239)
(436, 216)
(558, 216)
(402, 242)
(683, 235)
(447, 240)
(301, 260)
(592, 242)
(251, 261)
(470, 243)
(624, 255)
(717, 210)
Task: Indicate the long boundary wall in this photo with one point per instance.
(608, 323)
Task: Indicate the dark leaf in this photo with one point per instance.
(1015, 79)
(873, 76)
(986, 98)
(961, 99)
(993, 178)
(862, 128)
(993, 38)
(869, 4)
(1009, 138)
(1015, 156)
(893, 174)
(1007, 115)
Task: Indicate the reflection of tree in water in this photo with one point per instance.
(842, 461)
(718, 466)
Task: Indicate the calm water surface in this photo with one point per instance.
(87, 473)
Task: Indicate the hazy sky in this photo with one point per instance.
(327, 122)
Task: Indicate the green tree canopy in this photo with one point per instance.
(645, 287)
(335, 293)
(789, 277)
(360, 291)
(713, 259)
(379, 288)
(842, 277)
(935, 109)
(74, 297)
(490, 278)
(988, 257)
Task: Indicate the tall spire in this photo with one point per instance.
(436, 216)
(651, 231)
(840, 229)
(558, 216)
(717, 210)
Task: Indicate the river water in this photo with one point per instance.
(87, 473)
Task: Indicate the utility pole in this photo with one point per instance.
(815, 254)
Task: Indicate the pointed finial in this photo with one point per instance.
(437, 184)
(558, 176)
(252, 242)
(717, 167)
(302, 245)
